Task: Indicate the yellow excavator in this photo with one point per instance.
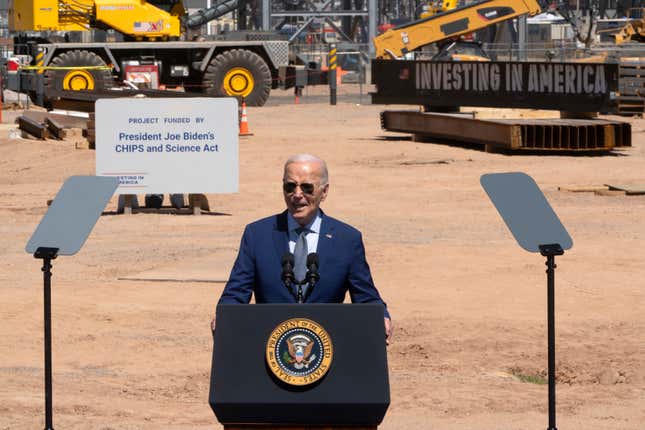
(634, 30)
(447, 27)
(151, 31)
(438, 6)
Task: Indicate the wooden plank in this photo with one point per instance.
(632, 81)
(632, 190)
(499, 113)
(631, 72)
(631, 98)
(583, 188)
(632, 61)
(609, 193)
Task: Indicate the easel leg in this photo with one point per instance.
(196, 203)
(127, 205)
(199, 203)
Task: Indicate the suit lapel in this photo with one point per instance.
(281, 235)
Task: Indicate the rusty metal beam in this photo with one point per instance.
(66, 121)
(55, 128)
(451, 126)
(83, 101)
(32, 127)
(513, 134)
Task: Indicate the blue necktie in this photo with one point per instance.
(300, 255)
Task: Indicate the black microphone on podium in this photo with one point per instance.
(312, 272)
(288, 276)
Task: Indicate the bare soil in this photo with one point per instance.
(469, 305)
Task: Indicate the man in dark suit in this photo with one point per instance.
(302, 229)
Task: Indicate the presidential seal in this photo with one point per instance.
(299, 351)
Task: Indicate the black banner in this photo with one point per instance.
(573, 87)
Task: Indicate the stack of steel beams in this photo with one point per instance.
(549, 135)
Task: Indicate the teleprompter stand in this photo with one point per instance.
(536, 228)
(47, 255)
(62, 231)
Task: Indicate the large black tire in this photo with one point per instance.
(239, 73)
(78, 79)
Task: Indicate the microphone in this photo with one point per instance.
(287, 271)
(312, 273)
(312, 270)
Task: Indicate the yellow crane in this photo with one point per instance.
(136, 18)
(151, 30)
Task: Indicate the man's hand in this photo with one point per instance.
(388, 330)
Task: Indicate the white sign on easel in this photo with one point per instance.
(168, 145)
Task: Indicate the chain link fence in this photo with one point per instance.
(354, 60)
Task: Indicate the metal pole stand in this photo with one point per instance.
(550, 251)
(299, 299)
(331, 74)
(537, 228)
(81, 199)
(47, 254)
(297, 93)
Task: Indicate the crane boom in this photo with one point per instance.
(397, 41)
(135, 18)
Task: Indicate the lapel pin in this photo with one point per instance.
(328, 236)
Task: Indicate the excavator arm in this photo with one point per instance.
(633, 30)
(398, 41)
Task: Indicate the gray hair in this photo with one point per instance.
(308, 158)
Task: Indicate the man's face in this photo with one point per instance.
(303, 201)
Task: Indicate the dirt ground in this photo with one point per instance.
(469, 305)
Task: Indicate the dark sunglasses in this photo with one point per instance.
(290, 187)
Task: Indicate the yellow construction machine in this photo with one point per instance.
(447, 27)
(151, 49)
(634, 30)
(149, 20)
(436, 7)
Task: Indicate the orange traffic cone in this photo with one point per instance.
(244, 123)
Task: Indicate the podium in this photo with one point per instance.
(299, 366)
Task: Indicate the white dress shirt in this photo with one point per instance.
(313, 233)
